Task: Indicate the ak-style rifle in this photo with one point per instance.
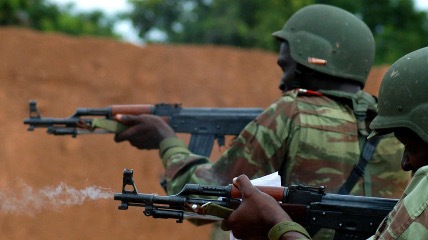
(204, 124)
(352, 217)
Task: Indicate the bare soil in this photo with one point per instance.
(63, 73)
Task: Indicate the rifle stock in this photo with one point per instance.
(352, 217)
(206, 125)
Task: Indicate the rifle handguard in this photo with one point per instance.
(216, 210)
(109, 125)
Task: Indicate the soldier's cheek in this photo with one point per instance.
(406, 164)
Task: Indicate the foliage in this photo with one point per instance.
(397, 26)
(250, 23)
(241, 23)
(45, 16)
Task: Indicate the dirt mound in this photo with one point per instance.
(63, 73)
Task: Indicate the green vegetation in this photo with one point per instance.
(397, 26)
(45, 16)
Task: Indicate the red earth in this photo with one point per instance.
(63, 73)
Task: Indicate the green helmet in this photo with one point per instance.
(403, 97)
(330, 40)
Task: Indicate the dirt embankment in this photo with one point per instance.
(63, 73)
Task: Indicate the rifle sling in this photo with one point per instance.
(356, 173)
(358, 170)
(362, 103)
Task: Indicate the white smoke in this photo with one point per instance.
(23, 199)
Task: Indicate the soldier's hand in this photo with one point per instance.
(257, 213)
(145, 131)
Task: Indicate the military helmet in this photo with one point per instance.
(330, 40)
(403, 97)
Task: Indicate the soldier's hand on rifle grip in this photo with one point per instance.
(257, 213)
(145, 131)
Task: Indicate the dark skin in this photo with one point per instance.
(296, 75)
(256, 214)
(415, 153)
(247, 216)
(145, 131)
(288, 66)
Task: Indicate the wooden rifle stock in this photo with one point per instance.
(297, 212)
(133, 109)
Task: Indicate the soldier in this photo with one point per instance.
(314, 134)
(403, 110)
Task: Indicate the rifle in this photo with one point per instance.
(352, 217)
(204, 124)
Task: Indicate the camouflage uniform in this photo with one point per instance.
(308, 139)
(311, 140)
(408, 219)
(406, 109)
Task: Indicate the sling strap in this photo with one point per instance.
(362, 102)
(358, 170)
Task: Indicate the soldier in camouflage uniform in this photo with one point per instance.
(313, 134)
(403, 110)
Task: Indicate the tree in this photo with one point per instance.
(44, 16)
(244, 23)
(397, 26)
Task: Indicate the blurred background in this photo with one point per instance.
(243, 23)
(201, 53)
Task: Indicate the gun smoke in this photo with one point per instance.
(25, 200)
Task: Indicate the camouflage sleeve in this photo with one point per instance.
(409, 218)
(180, 164)
(257, 151)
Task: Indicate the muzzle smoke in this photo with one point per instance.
(25, 200)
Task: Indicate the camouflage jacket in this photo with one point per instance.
(308, 139)
(409, 218)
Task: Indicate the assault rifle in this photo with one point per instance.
(204, 124)
(352, 217)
